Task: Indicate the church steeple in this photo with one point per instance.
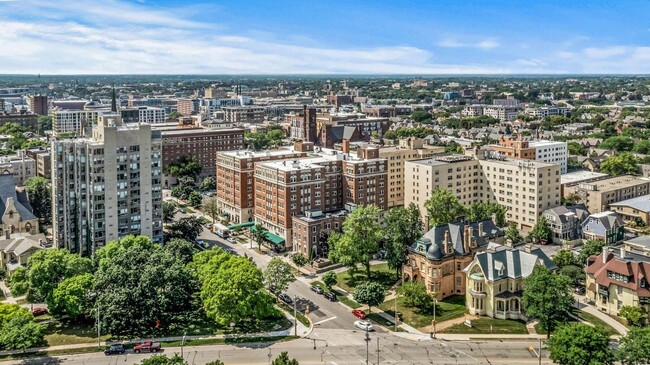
(114, 102)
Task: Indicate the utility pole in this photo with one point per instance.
(435, 301)
(395, 312)
(540, 352)
(295, 315)
(377, 350)
(183, 343)
(367, 346)
(99, 331)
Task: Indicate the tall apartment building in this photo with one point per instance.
(235, 175)
(597, 195)
(541, 150)
(244, 114)
(143, 114)
(38, 104)
(502, 113)
(200, 143)
(303, 125)
(512, 103)
(107, 186)
(43, 161)
(72, 121)
(408, 149)
(526, 188)
(188, 106)
(22, 118)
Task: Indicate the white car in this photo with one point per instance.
(364, 325)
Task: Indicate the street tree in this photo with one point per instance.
(195, 199)
(359, 239)
(259, 234)
(10, 310)
(73, 296)
(278, 275)
(209, 183)
(573, 272)
(283, 359)
(547, 297)
(329, 279)
(564, 258)
(164, 360)
(232, 290)
(45, 270)
(185, 228)
(590, 248)
(169, 210)
(634, 315)
(580, 344)
(443, 207)
(403, 228)
(541, 231)
(369, 293)
(512, 233)
(415, 295)
(210, 207)
(144, 301)
(634, 348)
(40, 197)
(623, 163)
(184, 166)
(484, 210)
(21, 333)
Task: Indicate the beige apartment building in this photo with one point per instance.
(408, 149)
(598, 195)
(526, 188)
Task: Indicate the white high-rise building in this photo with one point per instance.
(107, 186)
(551, 151)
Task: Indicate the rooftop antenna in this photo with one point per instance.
(113, 101)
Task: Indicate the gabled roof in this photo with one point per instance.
(563, 213)
(7, 191)
(641, 203)
(508, 262)
(607, 219)
(21, 244)
(635, 266)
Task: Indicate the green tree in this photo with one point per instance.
(185, 166)
(161, 289)
(283, 359)
(485, 210)
(210, 207)
(209, 183)
(182, 250)
(21, 333)
(634, 315)
(642, 147)
(564, 258)
(164, 360)
(369, 293)
(169, 210)
(44, 123)
(186, 228)
(45, 270)
(419, 115)
(453, 147)
(9, 311)
(195, 199)
(547, 297)
(576, 149)
(618, 143)
(623, 163)
(40, 197)
(590, 248)
(415, 295)
(259, 234)
(278, 275)
(443, 207)
(403, 228)
(573, 272)
(215, 362)
(359, 239)
(175, 115)
(634, 348)
(329, 279)
(541, 231)
(580, 344)
(73, 296)
(512, 233)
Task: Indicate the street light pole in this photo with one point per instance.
(367, 346)
(435, 301)
(295, 315)
(99, 331)
(395, 312)
(183, 343)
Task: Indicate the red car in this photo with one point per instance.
(39, 311)
(359, 313)
(147, 346)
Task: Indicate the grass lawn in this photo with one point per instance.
(69, 333)
(380, 273)
(587, 317)
(450, 308)
(489, 325)
(340, 296)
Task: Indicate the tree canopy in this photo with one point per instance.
(620, 164)
(369, 293)
(185, 166)
(278, 275)
(403, 227)
(40, 197)
(443, 207)
(634, 348)
(547, 297)
(73, 296)
(541, 231)
(580, 344)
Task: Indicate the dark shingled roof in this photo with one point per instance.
(8, 190)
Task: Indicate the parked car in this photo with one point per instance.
(316, 289)
(364, 325)
(285, 298)
(231, 240)
(115, 349)
(39, 311)
(331, 297)
(580, 290)
(359, 313)
(147, 346)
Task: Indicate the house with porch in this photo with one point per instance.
(495, 280)
(566, 222)
(607, 226)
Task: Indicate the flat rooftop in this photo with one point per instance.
(618, 182)
(579, 176)
(442, 160)
(181, 131)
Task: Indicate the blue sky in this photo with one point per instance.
(311, 37)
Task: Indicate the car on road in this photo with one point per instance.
(364, 325)
(359, 313)
(39, 311)
(316, 289)
(285, 298)
(330, 296)
(580, 290)
(147, 346)
(117, 349)
(231, 240)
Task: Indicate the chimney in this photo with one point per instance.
(426, 223)
(7, 234)
(446, 242)
(466, 237)
(472, 240)
(605, 254)
(346, 146)
(529, 247)
(623, 252)
(480, 229)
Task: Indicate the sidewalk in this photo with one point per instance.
(580, 304)
(9, 298)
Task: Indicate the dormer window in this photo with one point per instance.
(644, 283)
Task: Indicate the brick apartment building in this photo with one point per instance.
(244, 114)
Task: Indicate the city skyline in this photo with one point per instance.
(180, 37)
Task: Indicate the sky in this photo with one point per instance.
(324, 37)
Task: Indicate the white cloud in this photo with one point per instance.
(532, 62)
(605, 52)
(453, 43)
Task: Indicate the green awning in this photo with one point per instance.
(275, 239)
(242, 225)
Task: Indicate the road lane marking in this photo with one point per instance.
(324, 320)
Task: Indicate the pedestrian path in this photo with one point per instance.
(9, 298)
(583, 306)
